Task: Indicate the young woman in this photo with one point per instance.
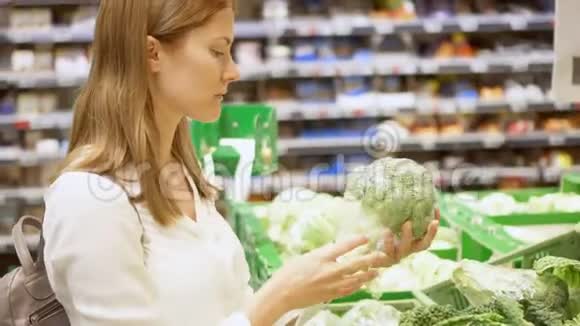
(132, 234)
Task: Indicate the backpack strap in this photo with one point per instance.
(29, 266)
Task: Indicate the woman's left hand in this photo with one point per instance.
(397, 249)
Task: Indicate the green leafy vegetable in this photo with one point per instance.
(480, 283)
(429, 315)
(418, 271)
(323, 318)
(573, 307)
(541, 314)
(394, 191)
(370, 312)
(573, 322)
(566, 269)
(487, 319)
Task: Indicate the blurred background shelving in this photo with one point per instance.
(462, 86)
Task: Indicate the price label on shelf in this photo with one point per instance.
(447, 107)
(479, 66)
(430, 66)
(517, 22)
(493, 141)
(518, 106)
(433, 26)
(557, 140)
(466, 105)
(21, 37)
(62, 36)
(428, 144)
(468, 24)
(27, 82)
(384, 26)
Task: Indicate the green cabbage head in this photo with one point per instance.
(395, 190)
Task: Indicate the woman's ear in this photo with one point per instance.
(153, 54)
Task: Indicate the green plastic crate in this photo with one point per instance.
(264, 258)
(570, 183)
(567, 245)
(482, 236)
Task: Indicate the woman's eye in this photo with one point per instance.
(218, 53)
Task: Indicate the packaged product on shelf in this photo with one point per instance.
(520, 126)
(47, 102)
(491, 125)
(7, 104)
(398, 9)
(71, 62)
(248, 53)
(557, 124)
(43, 58)
(23, 60)
(28, 103)
(27, 18)
(451, 125)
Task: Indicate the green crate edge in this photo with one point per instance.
(476, 241)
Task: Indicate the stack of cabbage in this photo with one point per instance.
(498, 203)
(366, 312)
(384, 194)
(547, 296)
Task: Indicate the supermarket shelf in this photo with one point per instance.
(36, 3)
(298, 27)
(362, 25)
(47, 79)
(538, 62)
(7, 244)
(49, 35)
(28, 195)
(461, 177)
(294, 110)
(403, 65)
(297, 111)
(337, 145)
(25, 158)
(552, 175)
(52, 120)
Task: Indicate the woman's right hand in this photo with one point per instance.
(317, 277)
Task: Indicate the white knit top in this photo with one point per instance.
(110, 267)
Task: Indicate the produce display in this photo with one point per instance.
(300, 227)
(499, 296)
(388, 192)
(527, 216)
(547, 295)
(365, 312)
(499, 203)
(384, 194)
(416, 272)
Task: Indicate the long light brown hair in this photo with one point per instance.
(114, 125)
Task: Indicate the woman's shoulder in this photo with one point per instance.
(85, 188)
(88, 202)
